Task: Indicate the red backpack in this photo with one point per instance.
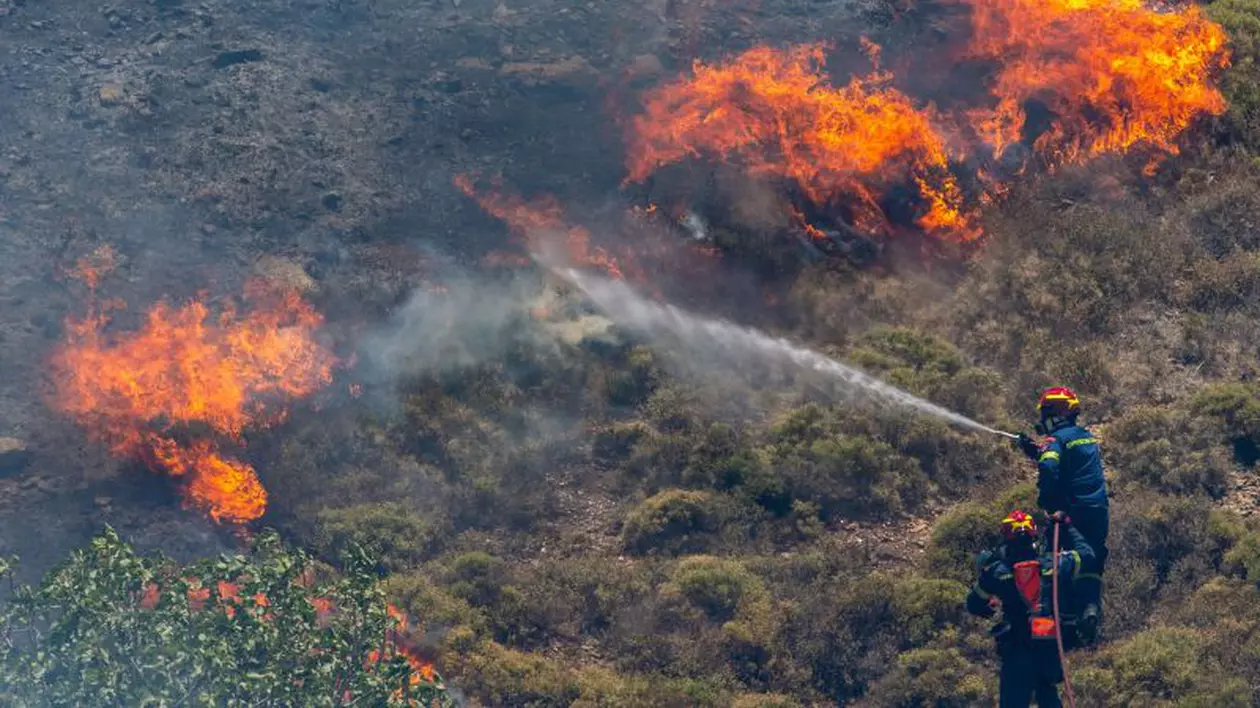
(1028, 582)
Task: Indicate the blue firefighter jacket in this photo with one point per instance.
(996, 579)
(1070, 471)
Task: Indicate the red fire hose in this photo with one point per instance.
(1058, 627)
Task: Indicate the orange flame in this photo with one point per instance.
(421, 668)
(1114, 73)
(777, 114)
(534, 221)
(185, 367)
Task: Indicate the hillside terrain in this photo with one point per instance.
(570, 511)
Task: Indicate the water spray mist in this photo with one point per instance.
(628, 308)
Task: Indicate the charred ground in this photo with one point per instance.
(542, 510)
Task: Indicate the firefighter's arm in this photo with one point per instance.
(1049, 494)
(982, 598)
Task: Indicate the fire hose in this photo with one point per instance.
(1058, 626)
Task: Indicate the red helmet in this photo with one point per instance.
(1059, 401)
(1018, 524)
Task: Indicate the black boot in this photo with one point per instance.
(1087, 626)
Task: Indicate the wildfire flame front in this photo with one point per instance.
(142, 392)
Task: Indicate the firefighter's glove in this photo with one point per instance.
(1028, 446)
(1061, 517)
(983, 559)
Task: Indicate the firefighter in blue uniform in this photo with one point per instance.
(1017, 578)
(1070, 479)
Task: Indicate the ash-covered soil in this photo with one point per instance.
(208, 141)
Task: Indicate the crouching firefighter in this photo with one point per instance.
(1071, 480)
(1018, 579)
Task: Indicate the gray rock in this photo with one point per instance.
(13, 456)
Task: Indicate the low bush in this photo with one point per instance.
(1165, 449)
(850, 476)
(674, 521)
(395, 533)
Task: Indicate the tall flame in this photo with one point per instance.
(185, 368)
(1114, 73)
(776, 113)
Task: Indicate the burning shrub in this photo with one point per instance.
(777, 114)
(1111, 73)
(143, 393)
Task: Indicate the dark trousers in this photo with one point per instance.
(1093, 522)
(1029, 672)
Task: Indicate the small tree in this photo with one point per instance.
(110, 627)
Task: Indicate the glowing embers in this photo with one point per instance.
(189, 379)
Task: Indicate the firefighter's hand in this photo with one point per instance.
(994, 604)
(1028, 446)
(1061, 517)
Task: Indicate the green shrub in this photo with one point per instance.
(633, 384)
(476, 577)
(939, 677)
(849, 632)
(111, 627)
(1161, 666)
(1245, 556)
(970, 527)
(851, 476)
(715, 586)
(505, 677)
(394, 532)
(764, 700)
(954, 460)
(1241, 20)
(674, 521)
(1167, 450)
(421, 596)
(1237, 406)
(1162, 549)
(671, 409)
(616, 441)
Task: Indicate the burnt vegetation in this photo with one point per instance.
(586, 523)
